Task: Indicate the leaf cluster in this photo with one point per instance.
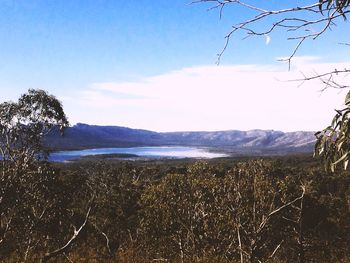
(339, 5)
(333, 143)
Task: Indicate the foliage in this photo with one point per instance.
(180, 212)
(333, 143)
(255, 208)
(339, 5)
(24, 123)
(191, 215)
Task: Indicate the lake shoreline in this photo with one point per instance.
(150, 152)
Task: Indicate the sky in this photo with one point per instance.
(152, 65)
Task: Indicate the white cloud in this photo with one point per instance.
(217, 97)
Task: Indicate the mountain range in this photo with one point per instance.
(83, 136)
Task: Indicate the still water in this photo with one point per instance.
(145, 152)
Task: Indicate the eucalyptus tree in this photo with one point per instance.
(30, 195)
(23, 125)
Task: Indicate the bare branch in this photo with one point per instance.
(276, 249)
(241, 250)
(268, 217)
(240, 244)
(291, 19)
(105, 236)
(67, 258)
(294, 52)
(327, 78)
(76, 233)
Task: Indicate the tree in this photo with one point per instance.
(30, 193)
(24, 123)
(302, 23)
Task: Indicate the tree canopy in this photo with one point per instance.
(24, 123)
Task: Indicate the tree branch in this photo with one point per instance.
(293, 20)
(267, 218)
(76, 233)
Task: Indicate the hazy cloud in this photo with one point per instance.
(219, 97)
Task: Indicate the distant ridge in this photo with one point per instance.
(82, 136)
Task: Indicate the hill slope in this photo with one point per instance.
(91, 136)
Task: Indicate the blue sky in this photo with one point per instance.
(146, 64)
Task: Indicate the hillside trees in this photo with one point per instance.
(262, 205)
(300, 22)
(246, 215)
(31, 198)
(191, 211)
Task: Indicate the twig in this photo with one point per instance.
(76, 233)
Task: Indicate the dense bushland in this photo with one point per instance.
(276, 210)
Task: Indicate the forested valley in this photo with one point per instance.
(285, 209)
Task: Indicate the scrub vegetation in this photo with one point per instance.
(284, 209)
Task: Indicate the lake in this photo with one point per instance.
(172, 152)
